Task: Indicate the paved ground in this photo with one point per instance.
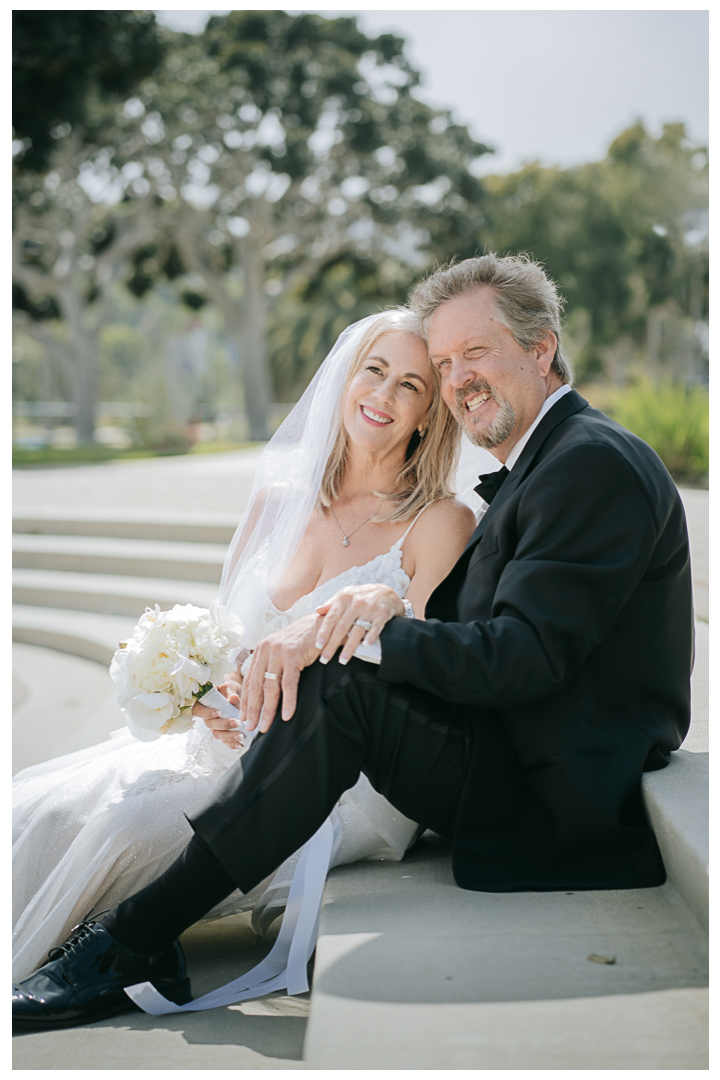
(63, 703)
(196, 485)
(263, 1034)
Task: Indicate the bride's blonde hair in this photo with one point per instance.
(431, 459)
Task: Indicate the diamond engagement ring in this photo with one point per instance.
(271, 675)
(364, 623)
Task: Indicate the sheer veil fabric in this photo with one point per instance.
(286, 488)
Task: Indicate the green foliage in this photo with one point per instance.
(304, 325)
(38, 308)
(617, 235)
(62, 57)
(120, 356)
(673, 419)
(269, 102)
(53, 455)
(278, 168)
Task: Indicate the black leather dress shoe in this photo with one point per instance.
(84, 978)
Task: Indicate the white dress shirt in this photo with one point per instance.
(373, 653)
(521, 443)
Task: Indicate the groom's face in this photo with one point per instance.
(491, 384)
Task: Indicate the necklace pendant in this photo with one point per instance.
(346, 542)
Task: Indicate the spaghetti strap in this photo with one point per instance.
(405, 535)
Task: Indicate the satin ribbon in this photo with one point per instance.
(213, 699)
(285, 967)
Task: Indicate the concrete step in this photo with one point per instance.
(677, 800)
(91, 636)
(108, 594)
(130, 525)
(412, 972)
(107, 555)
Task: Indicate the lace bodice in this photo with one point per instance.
(385, 569)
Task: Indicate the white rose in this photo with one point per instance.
(181, 723)
(168, 657)
(188, 676)
(148, 713)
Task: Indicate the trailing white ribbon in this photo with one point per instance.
(285, 967)
(213, 699)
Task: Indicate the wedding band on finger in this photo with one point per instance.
(364, 624)
(272, 675)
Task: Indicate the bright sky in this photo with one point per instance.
(555, 86)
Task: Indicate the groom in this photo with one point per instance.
(553, 668)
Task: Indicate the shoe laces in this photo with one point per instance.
(79, 936)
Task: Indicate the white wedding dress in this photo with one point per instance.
(93, 827)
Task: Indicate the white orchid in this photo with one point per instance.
(168, 662)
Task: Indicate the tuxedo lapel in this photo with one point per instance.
(567, 405)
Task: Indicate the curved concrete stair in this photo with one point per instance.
(131, 525)
(677, 801)
(108, 555)
(82, 633)
(106, 593)
(82, 580)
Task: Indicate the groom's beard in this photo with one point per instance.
(502, 425)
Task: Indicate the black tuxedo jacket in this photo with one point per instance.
(566, 628)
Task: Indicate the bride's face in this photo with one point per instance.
(389, 396)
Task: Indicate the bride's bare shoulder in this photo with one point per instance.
(444, 521)
(434, 545)
(449, 513)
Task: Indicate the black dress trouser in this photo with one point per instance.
(414, 749)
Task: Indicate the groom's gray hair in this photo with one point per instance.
(527, 300)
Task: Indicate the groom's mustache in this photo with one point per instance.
(477, 386)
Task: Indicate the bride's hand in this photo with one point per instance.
(223, 728)
(374, 603)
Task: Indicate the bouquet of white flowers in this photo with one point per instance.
(172, 659)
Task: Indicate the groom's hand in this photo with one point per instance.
(275, 668)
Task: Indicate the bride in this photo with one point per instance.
(354, 488)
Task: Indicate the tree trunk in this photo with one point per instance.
(245, 319)
(86, 387)
(250, 331)
(84, 346)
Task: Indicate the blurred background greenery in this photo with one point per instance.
(197, 216)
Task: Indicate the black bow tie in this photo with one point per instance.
(490, 484)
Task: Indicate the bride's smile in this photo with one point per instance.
(387, 399)
(374, 417)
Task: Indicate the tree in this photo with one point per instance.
(61, 59)
(278, 144)
(68, 69)
(616, 234)
(67, 249)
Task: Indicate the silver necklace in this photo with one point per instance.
(346, 539)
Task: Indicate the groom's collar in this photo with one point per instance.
(520, 445)
(565, 405)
